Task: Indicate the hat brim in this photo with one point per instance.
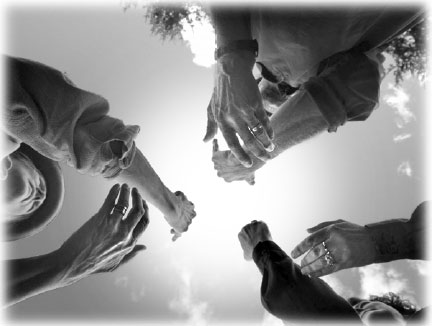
(52, 204)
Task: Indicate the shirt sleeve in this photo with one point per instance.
(45, 110)
(292, 296)
(346, 87)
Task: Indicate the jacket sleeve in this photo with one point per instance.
(346, 87)
(45, 110)
(291, 296)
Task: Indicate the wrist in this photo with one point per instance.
(236, 63)
(388, 239)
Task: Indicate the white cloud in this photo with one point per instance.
(401, 137)
(405, 169)
(398, 102)
(121, 281)
(421, 266)
(198, 312)
(377, 280)
(138, 295)
(201, 40)
(337, 286)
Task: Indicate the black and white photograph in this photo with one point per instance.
(215, 163)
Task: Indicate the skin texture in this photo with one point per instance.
(297, 120)
(177, 209)
(236, 104)
(102, 244)
(377, 313)
(350, 245)
(252, 234)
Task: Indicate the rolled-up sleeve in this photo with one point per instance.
(292, 296)
(45, 110)
(346, 88)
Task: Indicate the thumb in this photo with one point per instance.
(215, 146)
(211, 124)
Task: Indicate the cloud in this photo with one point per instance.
(201, 40)
(401, 137)
(121, 281)
(377, 280)
(398, 102)
(337, 286)
(138, 295)
(405, 169)
(198, 312)
(422, 267)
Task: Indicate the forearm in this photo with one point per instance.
(230, 24)
(141, 175)
(297, 120)
(292, 296)
(396, 239)
(28, 277)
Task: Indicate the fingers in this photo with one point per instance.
(235, 147)
(309, 242)
(258, 129)
(252, 143)
(262, 116)
(137, 210)
(319, 267)
(313, 254)
(143, 222)
(251, 180)
(176, 235)
(211, 123)
(122, 202)
(323, 225)
(110, 199)
(215, 146)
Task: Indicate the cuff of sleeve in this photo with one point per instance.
(261, 252)
(327, 101)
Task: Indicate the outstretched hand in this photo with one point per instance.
(107, 240)
(230, 169)
(349, 245)
(252, 234)
(236, 108)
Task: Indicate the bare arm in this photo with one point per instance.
(177, 209)
(102, 244)
(297, 120)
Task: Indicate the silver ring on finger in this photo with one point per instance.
(328, 257)
(120, 209)
(257, 130)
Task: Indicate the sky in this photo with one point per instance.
(364, 173)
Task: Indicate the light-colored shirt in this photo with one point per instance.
(45, 110)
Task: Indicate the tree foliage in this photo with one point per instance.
(409, 51)
(167, 20)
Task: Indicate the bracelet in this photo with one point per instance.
(249, 45)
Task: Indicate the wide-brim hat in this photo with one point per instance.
(39, 219)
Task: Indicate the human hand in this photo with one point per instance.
(349, 245)
(184, 213)
(238, 109)
(230, 169)
(107, 240)
(252, 234)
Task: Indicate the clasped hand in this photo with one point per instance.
(107, 240)
(236, 108)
